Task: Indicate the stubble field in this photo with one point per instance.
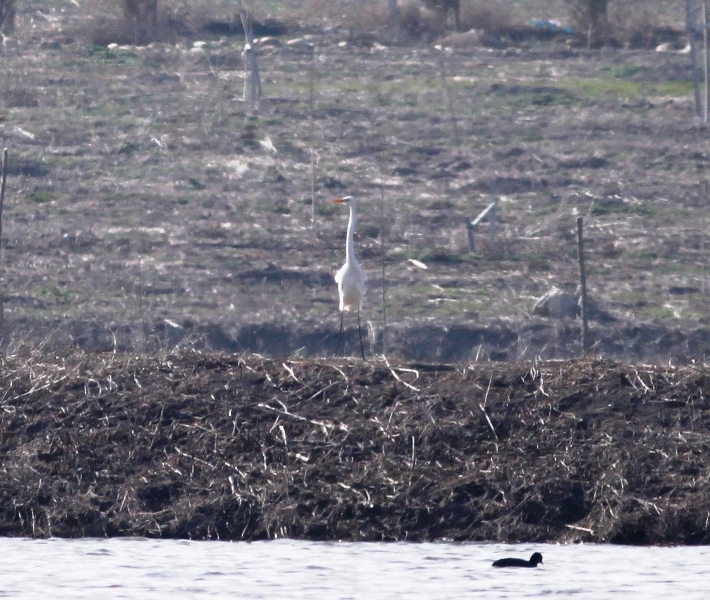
(149, 207)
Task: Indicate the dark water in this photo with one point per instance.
(139, 568)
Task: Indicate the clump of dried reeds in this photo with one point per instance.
(243, 447)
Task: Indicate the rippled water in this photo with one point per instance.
(139, 568)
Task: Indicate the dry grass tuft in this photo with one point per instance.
(20, 98)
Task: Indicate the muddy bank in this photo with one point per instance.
(207, 446)
(452, 341)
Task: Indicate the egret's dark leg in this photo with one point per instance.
(340, 333)
(359, 334)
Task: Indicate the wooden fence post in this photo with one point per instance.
(490, 212)
(251, 67)
(691, 8)
(583, 280)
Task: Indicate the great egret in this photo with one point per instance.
(350, 277)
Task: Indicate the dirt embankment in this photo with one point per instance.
(243, 447)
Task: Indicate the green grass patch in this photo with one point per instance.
(619, 207)
(613, 88)
(118, 57)
(531, 135)
(441, 255)
(548, 99)
(54, 293)
(653, 312)
(623, 71)
(323, 209)
(41, 197)
(648, 255)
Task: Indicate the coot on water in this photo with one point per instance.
(535, 559)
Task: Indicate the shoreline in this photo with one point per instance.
(210, 446)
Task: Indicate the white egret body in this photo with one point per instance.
(350, 277)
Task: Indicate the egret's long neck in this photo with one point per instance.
(350, 245)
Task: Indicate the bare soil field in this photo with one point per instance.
(242, 447)
(149, 206)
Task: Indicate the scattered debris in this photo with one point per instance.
(557, 304)
(207, 446)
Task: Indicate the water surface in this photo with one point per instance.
(140, 568)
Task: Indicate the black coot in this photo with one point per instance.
(535, 559)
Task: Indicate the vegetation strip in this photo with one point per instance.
(208, 446)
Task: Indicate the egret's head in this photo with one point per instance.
(345, 200)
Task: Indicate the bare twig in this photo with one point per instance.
(286, 413)
(490, 381)
(290, 371)
(488, 420)
(578, 528)
(397, 377)
(199, 460)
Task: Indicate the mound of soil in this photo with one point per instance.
(207, 446)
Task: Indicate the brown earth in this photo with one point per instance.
(149, 207)
(205, 446)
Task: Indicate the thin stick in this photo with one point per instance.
(359, 335)
(488, 391)
(583, 280)
(471, 225)
(692, 19)
(578, 528)
(382, 260)
(340, 333)
(705, 62)
(3, 182)
(488, 420)
(450, 103)
(311, 134)
(251, 67)
(397, 377)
